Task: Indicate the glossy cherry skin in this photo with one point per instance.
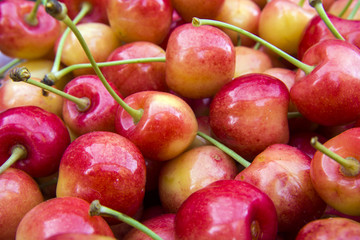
(100, 116)
(18, 39)
(340, 191)
(329, 94)
(331, 229)
(104, 166)
(301, 140)
(96, 14)
(250, 113)
(79, 236)
(317, 31)
(188, 9)
(199, 61)
(19, 194)
(283, 173)
(61, 215)
(167, 127)
(140, 20)
(132, 78)
(226, 209)
(43, 134)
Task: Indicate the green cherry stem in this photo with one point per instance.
(305, 67)
(257, 46)
(18, 152)
(58, 11)
(291, 115)
(9, 65)
(343, 11)
(85, 9)
(31, 17)
(225, 149)
(61, 73)
(96, 209)
(317, 4)
(23, 75)
(301, 3)
(354, 11)
(350, 166)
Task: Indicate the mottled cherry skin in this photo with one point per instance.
(226, 209)
(140, 20)
(167, 127)
(132, 78)
(188, 9)
(100, 116)
(330, 229)
(191, 171)
(96, 14)
(18, 39)
(250, 113)
(317, 31)
(199, 60)
(43, 134)
(19, 194)
(79, 236)
(104, 166)
(329, 94)
(162, 225)
(283, 173)
(338, 190)
(61, 215)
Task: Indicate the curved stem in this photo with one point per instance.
(225, 149)
(9, 65)
(354, 11)
(351, 166)
(306, 68)
(85, 8)
(31, 17)
(67, 70)
(343, 11)
(58, 11)
(317, 4)
(96, 209)
(18, 152)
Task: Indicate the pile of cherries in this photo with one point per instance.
(179, 119)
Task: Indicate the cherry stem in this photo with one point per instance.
(319, 7)
(18, 152)
(31, 18)
(354, 11)
(85, 9)
(57, 75)
(351, 166)
(58, 11)
(225, 149)
(23, 75)
(96, 209)
(291, 115)
(305, 67)
(9, 65)
(301, 3)
(343, 11)
(257, 46)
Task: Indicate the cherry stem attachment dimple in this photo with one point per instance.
(85, 9)
(319, 7)
(354, 11)
(96, 209)
(350, 166)
(23, 75)
(305, 67)
(58, 10)
(18, 152)
(225, 149)
(343, 11)
(31, 18)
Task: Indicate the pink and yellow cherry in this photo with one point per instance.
(79, 236)
(199, 61)
(335, 171)
(23, 38)
(19, 194)
(282, 23)
(337, 9)
(61, 215)
(140, 20)
(132, 78)
(32, 140)
(244, 14)
(101, 40)
(191, 171)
